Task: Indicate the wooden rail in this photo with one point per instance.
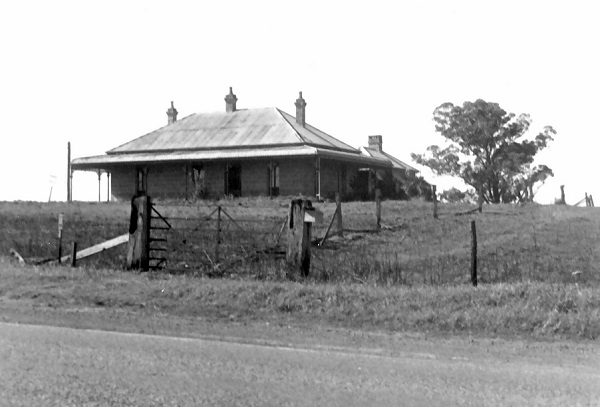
(90, 251)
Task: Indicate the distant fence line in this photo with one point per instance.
(391, 246)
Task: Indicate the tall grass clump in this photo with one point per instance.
(528, 309)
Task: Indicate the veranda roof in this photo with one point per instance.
(396, 163)
(114, 160)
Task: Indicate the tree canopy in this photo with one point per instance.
(487, 149)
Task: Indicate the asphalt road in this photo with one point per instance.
(46, 366)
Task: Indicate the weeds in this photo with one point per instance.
(556, 244)
(524, 309)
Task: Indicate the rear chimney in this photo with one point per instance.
(376, 143)
(300, 110)
(172, 113)
(230, 101)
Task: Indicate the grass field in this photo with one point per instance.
(557, 244)
(527, 310)
(538, 267)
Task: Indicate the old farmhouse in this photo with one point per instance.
(241, 152)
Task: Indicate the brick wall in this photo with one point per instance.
(167, 181)
(214, 178)
(336, 177)
(255, 178)
(296, 176)
(122, 183)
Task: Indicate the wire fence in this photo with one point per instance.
(222, 235)
(535, 244)
(539, 243)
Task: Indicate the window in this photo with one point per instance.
(141, 180)
(198, 176)
(274, 180)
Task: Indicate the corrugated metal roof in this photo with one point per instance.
(112, 160)
(313, 136)
(396, 163)
(256, 128)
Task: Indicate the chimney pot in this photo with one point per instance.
(376, 143)
(172, 114)
(230, 101)
(301, 110)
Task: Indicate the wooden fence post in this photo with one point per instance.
(378, 207)
(60, 230)
(299, 235)
(338, 208)
(434, 193)
(480, 199)
(138, 250)
(473, 254)
(74, 255)
(218, 243)
(562, 195)
(591, 201)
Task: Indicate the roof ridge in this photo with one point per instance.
(290, 125)
(315, 132)
(327, 134)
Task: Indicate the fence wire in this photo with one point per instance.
(217, 237)
(537, 243)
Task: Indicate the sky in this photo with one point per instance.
(99, 74)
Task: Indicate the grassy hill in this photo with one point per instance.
(538, 268)
(515, 243)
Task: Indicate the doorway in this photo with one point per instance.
(233, 179)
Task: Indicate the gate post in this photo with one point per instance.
(138, 249)
(299, 235)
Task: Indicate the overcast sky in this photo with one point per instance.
(101, 73)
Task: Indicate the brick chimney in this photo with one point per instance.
(300, 110)
(172, 113)
(230, 101)
(376, 143)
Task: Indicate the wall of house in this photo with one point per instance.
(167, 181)
(164, 181)
(296, 176)
(255, 178)
(352, 171)
(122, 183)
(214, 179)
(337, 176)
(331, 178)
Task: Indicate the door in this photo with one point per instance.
(233, 179)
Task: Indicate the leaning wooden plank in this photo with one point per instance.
(17, 256)
(99, 247)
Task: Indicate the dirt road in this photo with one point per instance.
(44, 366)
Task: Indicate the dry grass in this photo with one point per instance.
(557, 244)
(411, 276)
(528, 309)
